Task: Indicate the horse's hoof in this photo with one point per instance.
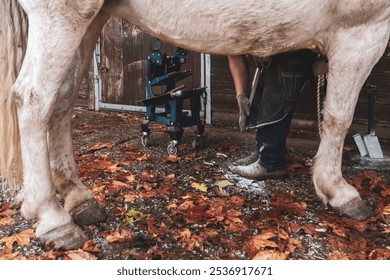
(66, 237)
(356, 209)
(88, 212)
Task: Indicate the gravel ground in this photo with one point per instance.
(191, 207)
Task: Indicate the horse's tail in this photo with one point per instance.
(13, 41)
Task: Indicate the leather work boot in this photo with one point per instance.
(255, 171)
(253, 157)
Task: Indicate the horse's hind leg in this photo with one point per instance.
(79, 200)
(352, 54)
(53, 39)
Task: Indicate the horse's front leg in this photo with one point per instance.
(352, 55)
(79, 201)
(54, 36)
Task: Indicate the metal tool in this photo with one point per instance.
(368, 144)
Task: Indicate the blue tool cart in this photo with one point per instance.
(164, 70)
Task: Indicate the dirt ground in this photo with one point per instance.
(190, 206)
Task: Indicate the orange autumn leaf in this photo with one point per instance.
(52, 255)
(171, 159)
(171, 205)
(379, 254)
(271, 255)
(150, 177)
(130, 178)
(122, 235)
(130, 197)
(8, 255)
(259, 242)
(78, 255)
(22, 238)
(189, 241)
(100, 146)
(385, 214)
(114, 167)
(148, 194)
(90, 246)
(6, 221)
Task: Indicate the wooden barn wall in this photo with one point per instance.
(124, 50)
(224, 105)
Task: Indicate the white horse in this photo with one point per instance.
(39, 79)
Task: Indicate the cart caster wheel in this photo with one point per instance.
(172, 149)
(145, 140)
(195, 144)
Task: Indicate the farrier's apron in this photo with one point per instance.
(279, 86)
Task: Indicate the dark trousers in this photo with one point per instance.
(271, 142)
(284, 80)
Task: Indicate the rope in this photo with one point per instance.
(321, 84)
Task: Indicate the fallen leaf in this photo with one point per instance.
(271, 255)
(130, 148)
(130, 178)
(150, 177)
(8, 255)
(171, 159)
(6, 221)
(122, 235)
(22, 238)
(130, 197)
(339, 230)
(90, 246)
(189, 241)
(306, 228)
(6, 211)
(100, 146)
(133, 216)
(4, 207)
(221, 192)
(287, 202)
(170, 176)
(114, 167)
(224, 183)
(259, 242)
(52, 255)
(379, 254)
(337, 255)
(172, 205)
(385, 214)
(148, 194)
(78, 255)
(199, 186)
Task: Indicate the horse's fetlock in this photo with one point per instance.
(28, 211)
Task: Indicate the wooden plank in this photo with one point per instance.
(111, 61)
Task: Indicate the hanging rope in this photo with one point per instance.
(321, 90)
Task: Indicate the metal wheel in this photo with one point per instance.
(195, 144)
(172, 149)
(145, 140)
